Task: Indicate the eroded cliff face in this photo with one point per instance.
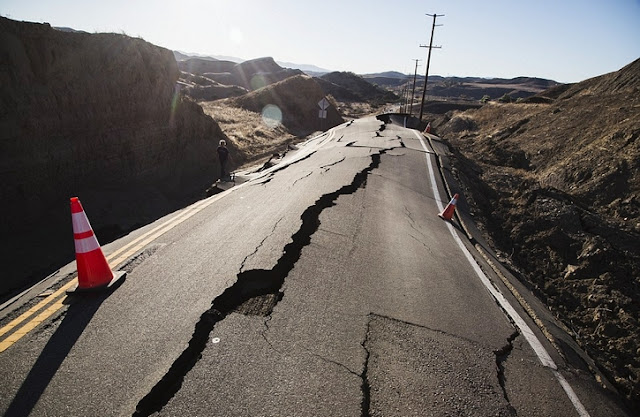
(96, 116)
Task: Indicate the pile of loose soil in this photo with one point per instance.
(556, 187)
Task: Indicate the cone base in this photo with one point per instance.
(447, 214)
(117, 276)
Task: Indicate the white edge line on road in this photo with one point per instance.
(534, 342)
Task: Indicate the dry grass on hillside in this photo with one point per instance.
(247, 130)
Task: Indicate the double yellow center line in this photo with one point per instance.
(55, 301)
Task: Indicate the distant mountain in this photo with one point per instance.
(183, 56)
(201, 66)
(347, 86)
(211, 79)
(387, 74)
(308, 68)
(465, 88)
(66, 29)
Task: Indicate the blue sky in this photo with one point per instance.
(564, 40)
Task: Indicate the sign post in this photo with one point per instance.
(322, 114)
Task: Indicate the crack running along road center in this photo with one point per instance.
(137, 245)
(122, 254)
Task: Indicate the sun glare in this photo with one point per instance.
(174, 104)
(236, 36)
(258, 81)
(272, 115)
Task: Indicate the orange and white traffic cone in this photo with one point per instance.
(447, 213)
(94, 272)
(428, 128)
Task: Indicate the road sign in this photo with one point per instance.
(322, 114)
(324, 104)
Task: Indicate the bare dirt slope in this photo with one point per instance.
(246, 129)
(295, 100)
(95, 116)
(556, 185)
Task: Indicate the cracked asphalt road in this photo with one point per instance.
(330, 288)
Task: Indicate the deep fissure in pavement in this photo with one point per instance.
(502, 355)
(255, 292)
(366, 388)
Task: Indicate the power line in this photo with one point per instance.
(426, 76)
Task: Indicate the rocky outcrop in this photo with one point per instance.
(98, 116)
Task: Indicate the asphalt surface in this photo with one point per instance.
(325, 285)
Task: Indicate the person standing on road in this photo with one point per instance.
(223, 157)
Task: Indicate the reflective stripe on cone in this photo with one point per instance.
(93, 269)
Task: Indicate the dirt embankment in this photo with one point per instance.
(556, 186)
(97, 116)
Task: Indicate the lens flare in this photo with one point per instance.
(272, 115)
(257, 81)
(174, 104)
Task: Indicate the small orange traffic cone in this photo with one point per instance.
(447, 213)
(94, 272)
(428, 128)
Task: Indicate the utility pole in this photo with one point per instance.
(413, 91)
(406, 101)
(405, 97)
(426, 76)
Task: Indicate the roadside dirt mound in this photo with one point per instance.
(292, 102)
(556, 185)
(96, 116)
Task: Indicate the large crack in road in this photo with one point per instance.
(502, 355)
(255, 292)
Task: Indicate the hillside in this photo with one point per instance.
(96, 116)
(555, 183)
(347, 86)
(464, 88)
(211, 79)
(295, 102)
(204, 65)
